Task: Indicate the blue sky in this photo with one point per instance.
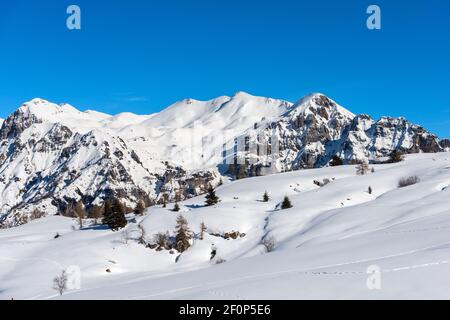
(141, 56)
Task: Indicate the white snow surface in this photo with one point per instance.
(324, 244)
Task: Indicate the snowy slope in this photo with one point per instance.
(52, 156)
(324, 244)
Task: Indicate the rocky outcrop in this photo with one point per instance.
(317, 129)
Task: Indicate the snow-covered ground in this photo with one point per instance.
(324, 244)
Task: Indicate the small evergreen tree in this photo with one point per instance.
(286, 204)
(183, 234)
(369, 190)
(211, 198)
(336, 161)
(140, 208)
(266, 197)
(176, 207)
(114, 215)
(372, 170)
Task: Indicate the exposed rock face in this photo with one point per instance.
(445, 144)
(52, 156)
(45, 167)
(316, 129)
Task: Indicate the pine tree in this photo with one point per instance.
(211, 198)
(266, 197)
(176, 207)
(202, 230)
(336, 161)
(369, 190)
(183, 234)
(140, 208)
(114, 215)
(362, 168)
(286, 204)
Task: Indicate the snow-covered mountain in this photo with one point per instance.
(324, 246)
(52, 156)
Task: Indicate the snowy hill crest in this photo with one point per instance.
(52, 156)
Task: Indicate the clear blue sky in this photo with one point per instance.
(141, 56)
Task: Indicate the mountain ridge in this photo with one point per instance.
(52, 156)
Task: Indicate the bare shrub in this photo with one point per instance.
(125, 236)
(36, 214)
(219, 261)
(268, 243)
(203, 229)
(396, 156)
(60, 283)
(162, 240)
(408, 181)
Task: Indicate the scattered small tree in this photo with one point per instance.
(60, 283)
(268, 243)
(211, 197)
(286, 204)
(266, 197)
(396, 156)
(369, 190)
(140, 208)
(142, 236)
(80, 213)
(36, 214)
(165, 199)
(336, 161)
(97, 213)
(372, 170)
(176, 207)
(183, 234)
(162, 240)
(362, 168)
(114, 215)
(202, 230)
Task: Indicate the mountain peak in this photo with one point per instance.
(320, 103)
